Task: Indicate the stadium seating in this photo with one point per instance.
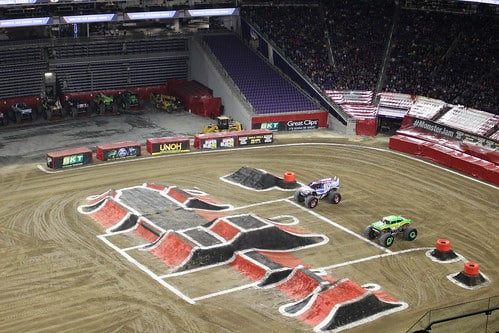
(263, 87)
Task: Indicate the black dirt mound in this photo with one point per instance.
(200, 204)
(470, 281)
(259, 180)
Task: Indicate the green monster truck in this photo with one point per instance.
(104, 103)
(127, 100)
(388, 227)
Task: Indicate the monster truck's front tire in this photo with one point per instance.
(101, 108)
(410, 233)
(386, 240)
(370, 233)
(334, 197)
(298, 197)
(311, 202)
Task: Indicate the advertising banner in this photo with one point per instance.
(118, 151)
(68, 158)
(288, 125)
(168, 145)
(218, 142)
(452, 133)
(255, 139)
(121, 153)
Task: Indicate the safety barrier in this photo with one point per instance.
(157, 146)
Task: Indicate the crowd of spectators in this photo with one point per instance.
(451, 57)
(370, 44)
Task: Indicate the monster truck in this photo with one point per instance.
(20, 111)
(127, 100)
(75, 106)
(104, 103)
(52, 107)
(388, 227)
(166, 102)
(326, 188)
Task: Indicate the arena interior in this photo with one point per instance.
(155, 159)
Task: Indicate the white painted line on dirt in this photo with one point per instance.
(226, 291)
(41, 168)
(339, 226)
(378, 256)
(146, 270)
(131, 248)
(235, 150)
(261, 203)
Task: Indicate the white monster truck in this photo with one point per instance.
(326, 188)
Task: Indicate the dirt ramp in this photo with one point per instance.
(259, 179)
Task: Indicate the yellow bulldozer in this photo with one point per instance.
(224, 124)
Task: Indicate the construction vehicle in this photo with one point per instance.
(166, 102)
(224, 124)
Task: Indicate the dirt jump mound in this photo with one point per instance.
(259, 179)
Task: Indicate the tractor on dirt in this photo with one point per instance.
(224, 124)
(103, 103)
(388, 227)
(166, 102)
(326, 188)
(127, 100)
(52, 107)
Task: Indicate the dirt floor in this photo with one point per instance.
(58, 275)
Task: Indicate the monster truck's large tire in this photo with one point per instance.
(410, 233)
(370, 233)
(334, 197)
(311, 202)
(298, 197)
(386, 240)
(102, 109)
(5, 119)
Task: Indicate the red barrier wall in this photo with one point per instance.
(452, 158)
(366, 126)
(196, 97)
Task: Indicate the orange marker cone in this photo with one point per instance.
(470, 276)
(443, 251)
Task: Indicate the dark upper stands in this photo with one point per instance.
(21, 70)
(263, 87)
(93, 64)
